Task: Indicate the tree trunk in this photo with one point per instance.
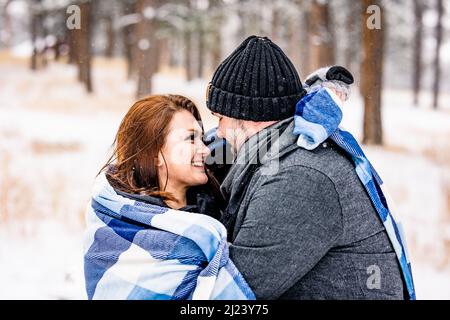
(437, 59)
(418, 47)
(44, 33)
(275, 23)
(353, 31)
(146, 49)
(216, 45)
(216, 49)
(7, 23)
(110, 37)
(37, 32)
(294, 44)
(320, 36)
(70, 39)
(83, 43)
(173, 47)
(163, 54)
(128, 39)
(200, 49)
(188, 55)
(304, 67)
(242, 31)
(33, 30)
(372, 75)
(254, 25)
(58, 46)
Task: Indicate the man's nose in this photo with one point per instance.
(219, 133)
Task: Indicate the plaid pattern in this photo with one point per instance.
(312, 110)
(135, 250)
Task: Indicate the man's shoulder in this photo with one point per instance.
(326, 159)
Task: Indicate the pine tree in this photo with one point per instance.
(418, 49)
(145, 48)
(437, 58)
(82, 42)
(372, 72)
(320, 35)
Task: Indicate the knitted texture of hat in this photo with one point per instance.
(256, 82)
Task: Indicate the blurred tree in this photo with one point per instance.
(321, 43)
(162, 53)
(173, 45)
(372, 69)
(215, 42)
(353, 37)
(146, 45)
(127, 23)
(293, 38)
(38, 34)
(35, 20)
(242, 32)
(437, 58)
(253, 18)
(418, 49)
(110, 36)
(6, 25)
(70, 35)
(199, 22)
(189, 26)
(189, 34)
(292, 35)
(200, 33)
(304, 60)
(188, 55)
(83, 38)
(275, 22)
(106, 20)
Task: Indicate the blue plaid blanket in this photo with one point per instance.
(134, 250)
(317, 118)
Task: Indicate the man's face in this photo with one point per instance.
(232, 130)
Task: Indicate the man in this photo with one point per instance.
(300, 222)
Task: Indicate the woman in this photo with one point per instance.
(162, 136)
(144, 238)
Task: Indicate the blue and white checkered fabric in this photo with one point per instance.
(135, 250)
(312, 119)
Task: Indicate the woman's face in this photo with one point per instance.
(184, 153)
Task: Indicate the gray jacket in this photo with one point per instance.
(310, 230)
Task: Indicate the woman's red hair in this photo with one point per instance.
(142, 133)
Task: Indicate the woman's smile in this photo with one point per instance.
(198, 164)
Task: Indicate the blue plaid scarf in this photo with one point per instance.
(317, 118)
(135, 250)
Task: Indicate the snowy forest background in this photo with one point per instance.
(64, 91)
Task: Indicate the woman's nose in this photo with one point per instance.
(203, 150)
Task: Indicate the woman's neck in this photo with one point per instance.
(179, 194)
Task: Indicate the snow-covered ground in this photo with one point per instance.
(54, 138)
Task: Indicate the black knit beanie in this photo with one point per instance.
(256, 82)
